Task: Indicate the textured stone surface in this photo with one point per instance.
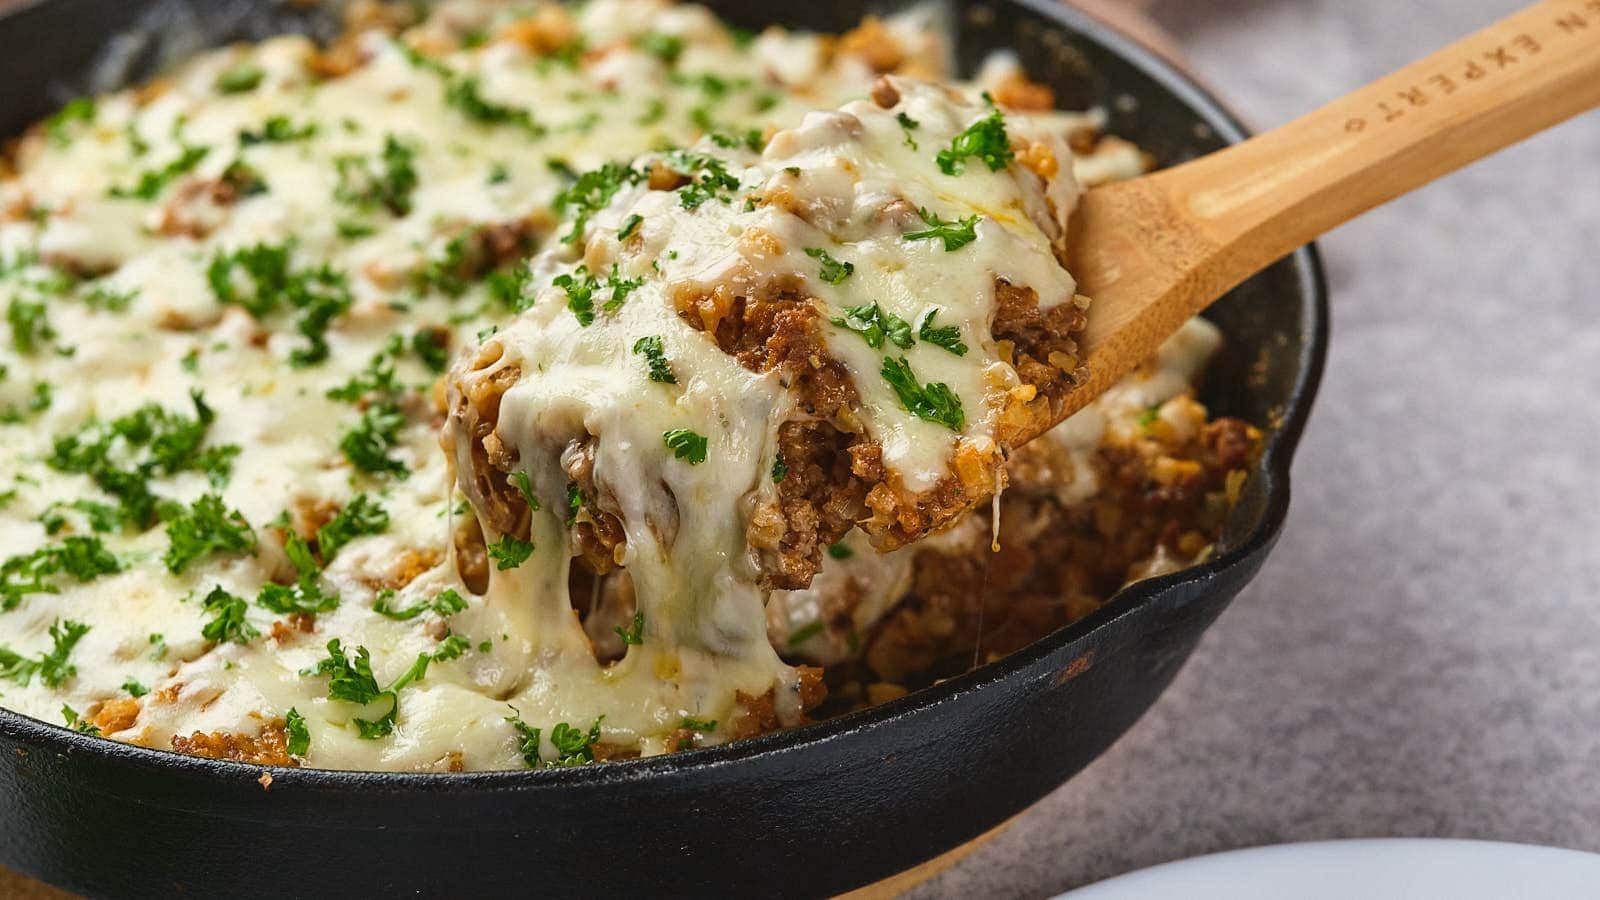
(1421, 655)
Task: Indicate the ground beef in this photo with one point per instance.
(1158, 498)
(1044, 351)
(268, 748)
(758, 714)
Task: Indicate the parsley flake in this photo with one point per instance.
(368, 443)
(510, 552)
(908, 125)
(240, 78)
(986, 139)
(654, 352)
(874, 324)
(152, 182)
(955, 234)
(387, 181)
(206, 527)
(305, 595)
(228, 618)
(833, 270)
(947, 336)
(360, 517)
(53, 668)
(445, 604)
(633, 635)
(590, 193)
(298, 735)
(930, 402)
(686, 445)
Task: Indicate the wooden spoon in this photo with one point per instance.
(1155, 250)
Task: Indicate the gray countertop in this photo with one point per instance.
(1421, 654)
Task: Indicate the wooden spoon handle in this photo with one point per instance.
(1211, 223)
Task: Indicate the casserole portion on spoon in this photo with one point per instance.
(742, 350)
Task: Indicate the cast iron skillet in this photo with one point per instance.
(806, 812)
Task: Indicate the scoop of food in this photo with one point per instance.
(737, 353)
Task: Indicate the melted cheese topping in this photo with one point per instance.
(842, 175)
(389, 176)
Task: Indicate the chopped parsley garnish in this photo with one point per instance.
(1149, 415)
(806, 632)
(707, 175)
(432, 347)
(874, 324)
(245, 179)
(574, 747)
(228, 621)
(368, 443)
(350, 229)
(514, 288)
(590, 193)
(387, 181)
(206, 527)
(527, 740)
(445, 604)
(449, 272)
(277, 130)
(580, 287)
(298, 735)
(375, 380)
(833, 270)
(260, 279)
(908, 125)
(452, 647)
(986, 139)
(780, 469)
(692, 724)
(510, 552)
(665, 47)
(620, 289)
(633, 635)
(101, 296)
(955, 234)
(352, 681)
(655, 109)
(524, 487)
(123, 455)
(930, 402)
(30, 326)
(305, 595)
(59, 125)
(153, 181)
(840, 551)
(240, 77)
(134, 688)
(78, 723)
(628, 226)
(53, 668)
(686, 445)
(946, 336)
(751, 139)
(654, 353)
(360, 517)
(465, 94)
(574, 502)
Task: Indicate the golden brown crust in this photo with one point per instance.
(269, 747)
(115, 715)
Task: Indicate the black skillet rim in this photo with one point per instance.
(1274, 467)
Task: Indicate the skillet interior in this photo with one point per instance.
(806, 812)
